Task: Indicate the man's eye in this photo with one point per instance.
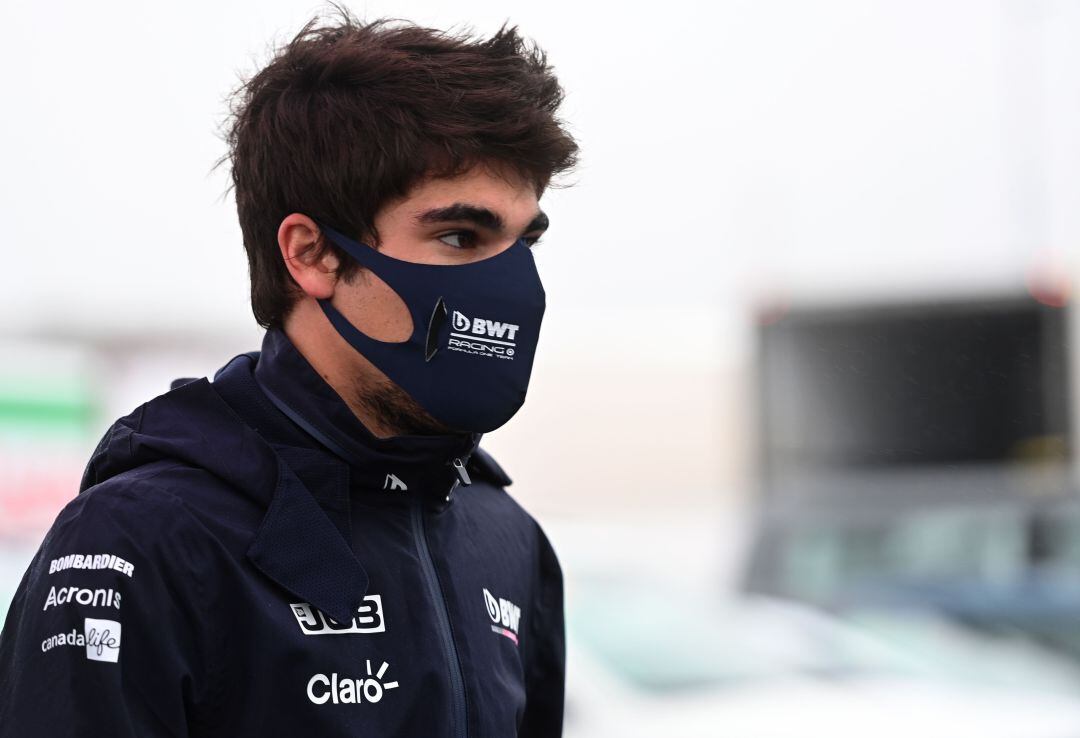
(459, 239)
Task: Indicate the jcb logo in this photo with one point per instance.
(484, 328)
(368, 618)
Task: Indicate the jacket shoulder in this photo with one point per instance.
(134, 512)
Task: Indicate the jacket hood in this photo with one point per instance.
(177, 426)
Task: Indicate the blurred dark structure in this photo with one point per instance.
(919, 456)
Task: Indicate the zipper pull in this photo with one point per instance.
(459, 467)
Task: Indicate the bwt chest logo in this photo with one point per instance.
(482, 336)
(368, 618)
(505, 615)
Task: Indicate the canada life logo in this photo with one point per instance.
(505, 615)
(100, 638)
(482, 336)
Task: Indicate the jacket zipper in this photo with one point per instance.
(427, 565)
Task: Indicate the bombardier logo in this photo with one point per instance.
(368, 618)
(92, 561)
(482, 336)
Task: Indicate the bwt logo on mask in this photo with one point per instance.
(482, 327)
(483, 336)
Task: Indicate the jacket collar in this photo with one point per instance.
(300, 393)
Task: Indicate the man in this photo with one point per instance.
(312, 543)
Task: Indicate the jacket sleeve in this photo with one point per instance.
(104, 634)
(545, 675)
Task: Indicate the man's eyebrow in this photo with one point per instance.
(478, 215)
(461, 212)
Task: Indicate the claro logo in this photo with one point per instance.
(322, 688)
(483, 336)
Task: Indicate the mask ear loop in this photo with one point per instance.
(362, 254)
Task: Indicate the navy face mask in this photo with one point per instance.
(475, 328)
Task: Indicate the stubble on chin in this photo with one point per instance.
(395, 410)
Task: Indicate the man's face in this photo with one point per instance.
(455, 220)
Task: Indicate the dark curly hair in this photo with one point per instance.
(350, 115)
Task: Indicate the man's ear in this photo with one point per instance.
(307, 256)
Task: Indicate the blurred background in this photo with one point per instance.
(802, 426)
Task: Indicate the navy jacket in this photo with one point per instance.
(244, 559)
